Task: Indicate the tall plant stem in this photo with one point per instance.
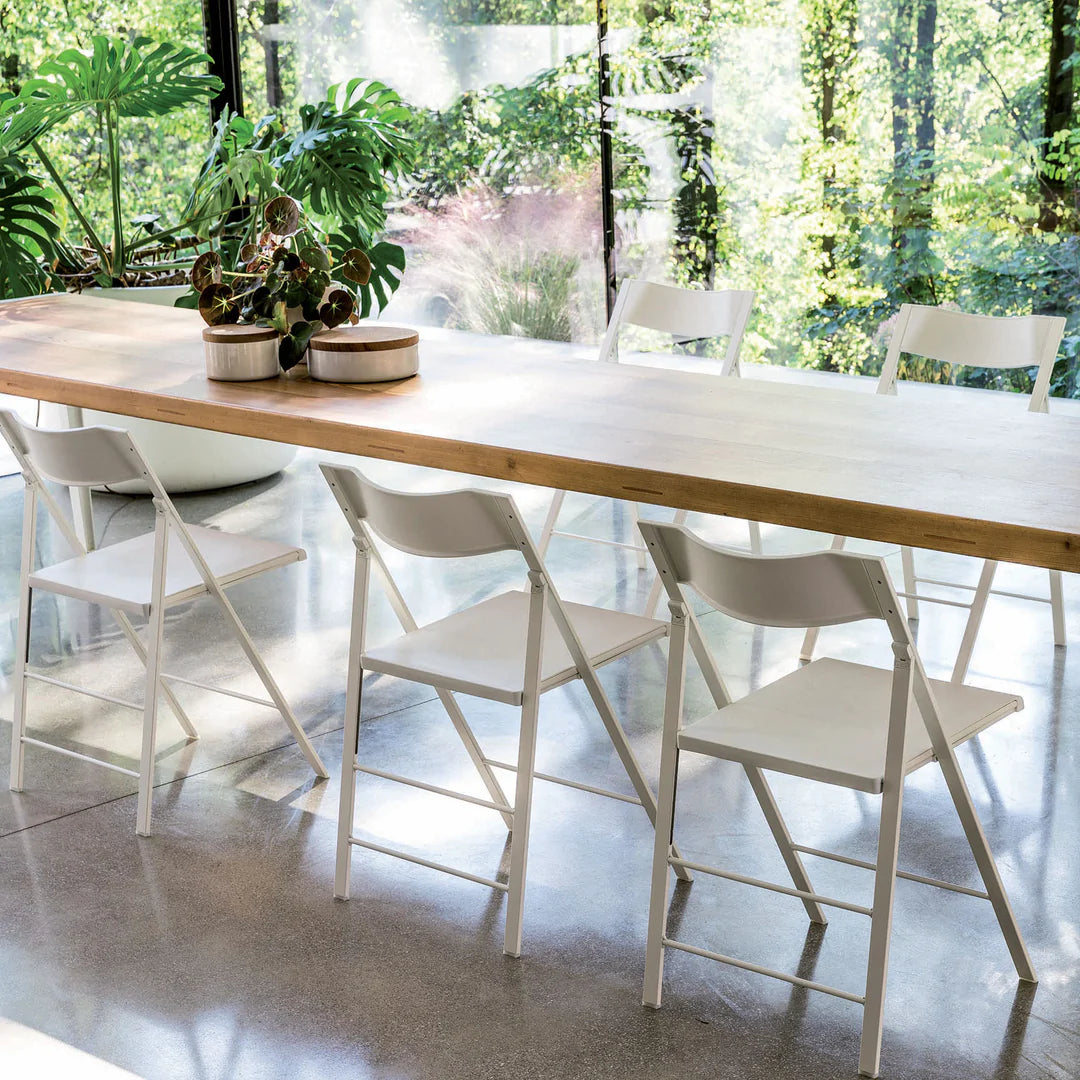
(119, 259)
(92, 236)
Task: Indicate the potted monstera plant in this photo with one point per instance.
(335, 157)
(285, 280)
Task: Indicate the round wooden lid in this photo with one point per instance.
(373, 337)
(238, 333)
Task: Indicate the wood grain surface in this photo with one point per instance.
(908, 470)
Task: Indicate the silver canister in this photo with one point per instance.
(363, 354)
(236, 353)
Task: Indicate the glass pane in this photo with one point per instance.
(501, 221)
(843, 158)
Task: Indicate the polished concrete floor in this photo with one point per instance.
(214, 949)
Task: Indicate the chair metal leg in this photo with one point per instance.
(659, 893)
(350, 739)
(550, 522)
(640, 554)
(140, 651)
(974, 621)
(880, 931)
(623, 748)
(19, 686)
(270, 684)
(892, 802)
(1057, 607)
(907, 562)
(526, 764)
(656, 592)
(657, 589)
(980, 849)
(22, 638)
(806, 653)
(155, 631)
(780, 833)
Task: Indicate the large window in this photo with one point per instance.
(840, 157)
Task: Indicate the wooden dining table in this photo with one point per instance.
(907, 469)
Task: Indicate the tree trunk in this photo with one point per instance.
(271, 17)
(1059, 110)
(914, 148)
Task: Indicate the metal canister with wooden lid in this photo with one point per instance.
(236, 353)
(360, 354)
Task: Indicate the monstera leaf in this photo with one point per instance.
(127, 78)
(387, 265)
(28, 233)
(346, 146)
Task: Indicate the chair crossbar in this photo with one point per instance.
(933, 599)
(220, 690)
(394, 853)
(75, 754)
(1022, 596)
(969, 588)
(905, 874)
(783, 976)
(503, 808)
(82, 690)
(598, 540)
(617, 796)
(771, 886)
(946, 584)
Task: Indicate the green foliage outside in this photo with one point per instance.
(839, 158)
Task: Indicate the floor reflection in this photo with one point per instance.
(215, 949)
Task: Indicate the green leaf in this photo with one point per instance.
(282, 216)
(206, 271)
(337, 309)
(387, 266)
(316, 255)
(131, 78)
(346, 145)
(29, 233)
(217, 305)
(294, 344)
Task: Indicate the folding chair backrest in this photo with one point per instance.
(823, 588)
(985, 341)
(79, 457)
(686, 314)
(446, 524)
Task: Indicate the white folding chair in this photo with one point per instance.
(688, 315)
(142, 576)
(985, 341)
(510, 648)
(835, 722)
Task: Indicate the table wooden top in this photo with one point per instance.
(905, 469)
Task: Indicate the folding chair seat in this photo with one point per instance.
(510, 648)
(985, 341)
(142, 576)
(481, 650)
(121, 575)
(839, 723)
(688, 315)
